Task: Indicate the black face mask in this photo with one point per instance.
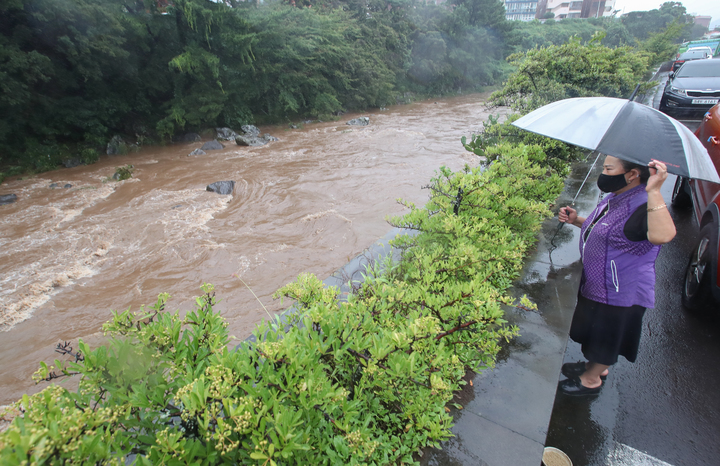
(611, 183)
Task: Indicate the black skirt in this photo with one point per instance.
(606, 331)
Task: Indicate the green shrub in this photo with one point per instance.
(89, 155)
(491, 142)
(123, 173)
(556, 72)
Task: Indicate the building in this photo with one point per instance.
(703, 20)
(576, 9)
(520, 10)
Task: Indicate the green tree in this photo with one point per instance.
(617, 35)
(573, 69)
(642, 24)
(309, 63)
(661, 46)
(215, 44)
(59, 66)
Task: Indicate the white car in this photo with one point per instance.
(701, 48)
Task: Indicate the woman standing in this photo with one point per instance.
(619, 243)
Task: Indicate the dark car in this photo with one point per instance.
(694, 88)
(701, 287)
(689, 56)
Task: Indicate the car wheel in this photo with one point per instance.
(680, 196)
(696, 293)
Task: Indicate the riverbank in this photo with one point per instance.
(309, 202)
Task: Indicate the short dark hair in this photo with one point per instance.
(643, 169)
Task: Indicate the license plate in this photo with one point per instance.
(705, 101)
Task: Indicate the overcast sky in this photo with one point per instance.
(694, 7)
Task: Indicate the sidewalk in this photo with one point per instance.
(507, 409)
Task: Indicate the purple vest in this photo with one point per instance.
(617, 271)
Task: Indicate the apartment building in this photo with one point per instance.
(576, 9)
(520, 10)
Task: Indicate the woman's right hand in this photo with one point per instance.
(567, 215)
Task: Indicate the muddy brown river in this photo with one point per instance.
(309, 202)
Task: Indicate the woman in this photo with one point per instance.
(619, 243)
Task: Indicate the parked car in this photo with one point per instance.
(694, 88)
(702, 48)
(712, 43)
(701, 286)
(691, 54)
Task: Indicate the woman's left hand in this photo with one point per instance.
(658, 175)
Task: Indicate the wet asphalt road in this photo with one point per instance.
(665, 408)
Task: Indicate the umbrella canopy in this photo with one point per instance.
(624, 129)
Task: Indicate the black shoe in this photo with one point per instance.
(575, 369)
(573, 387)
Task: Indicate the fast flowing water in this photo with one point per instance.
(306, 203)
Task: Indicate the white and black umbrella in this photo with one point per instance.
(624, 129)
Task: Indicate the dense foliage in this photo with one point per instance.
(573, 69)
(75, 73)
(643, 24)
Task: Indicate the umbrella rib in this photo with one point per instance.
(586, 177)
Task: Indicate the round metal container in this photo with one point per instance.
(554, 457)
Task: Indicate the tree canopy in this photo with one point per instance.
(77, 72)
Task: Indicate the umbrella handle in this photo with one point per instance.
(634, 93)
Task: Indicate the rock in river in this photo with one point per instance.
(212, 145)
(8, 199)
(197, 152)
(222, 187)
(250, 130)
(251, 137)
(226, 134)
(362, 121)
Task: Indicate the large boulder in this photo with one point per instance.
(250, 130)
(249, 141)
(221, 187)
(197, 152)
(251, 137)
(362, 121)
(191, 137)
(212, 145)
(116, 146)
(8, 199)
(73, 162)
(226, 134)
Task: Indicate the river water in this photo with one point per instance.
(309, 202)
